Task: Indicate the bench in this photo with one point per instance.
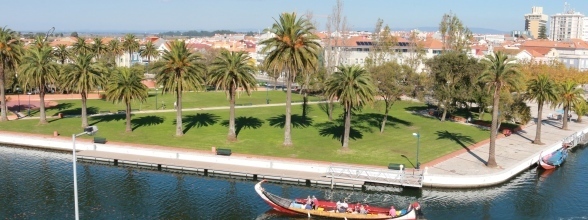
(121, 111)
(223, 151)
(99, 140)
(396, 166)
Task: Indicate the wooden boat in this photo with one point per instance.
(330, 205)
(555, 159)
(290, 206)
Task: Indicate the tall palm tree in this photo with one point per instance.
(39, 70)
(130, 45)
(569, 94)
(98, 48)
(179, 69)
(542, 90)
(293, 49)
(82, 77)
(353, 87)
(81, 47)
(500, 75)
(61, 53)
(125, 86)
(115, 49)
(149, 51)
(580, 109)
(10, 55)
(229, 71)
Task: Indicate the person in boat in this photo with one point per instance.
(362, 210)
(338, 206)
(392, 211)
(315, 203)
(308, 204)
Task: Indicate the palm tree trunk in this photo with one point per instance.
(304, 105)
(232, 136)
(539, 120)
(3, 108)
(128, 114)
(579, 120)
(347, 127)
(385, 119)
(43, 116)
(84, 110)
(288, 123)
(565, 117)
(179, 131)
(493, 129)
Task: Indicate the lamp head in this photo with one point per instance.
(415, 134)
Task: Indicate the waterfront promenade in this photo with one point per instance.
(462, 169)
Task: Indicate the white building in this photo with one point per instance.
(566, 26)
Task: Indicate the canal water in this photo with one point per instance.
(37, 184)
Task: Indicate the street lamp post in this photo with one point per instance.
(18, 95)
(418, 136)
(266, 94)
(90, 130)
(29, 107)
(156, 98)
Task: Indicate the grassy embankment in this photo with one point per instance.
(260, 129)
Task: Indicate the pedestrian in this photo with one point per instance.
(175, 104)
(469, 120)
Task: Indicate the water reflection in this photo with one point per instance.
(38, 185)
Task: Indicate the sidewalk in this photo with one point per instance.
(514, 154)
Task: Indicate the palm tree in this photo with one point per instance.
(82, 77)
(178, 70)
(131, 45)
(568, 95)
(149, 51)
(293, 49)
(125, 86)
(10, 53)
(541, 90)
(229, 71)
(353, 87)
(38, 70)
(98, 48)
(80, 46)
(61, 53)
(581, 108)
(501, 75)
(115, 49)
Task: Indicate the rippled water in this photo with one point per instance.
(38, 185)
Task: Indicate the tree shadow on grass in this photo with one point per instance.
(459, 139)
(146, 121)
(244, 122)
(198, 120)
(298, 121)
(375, 120)
(107, 118)
(61, 106)
(336, 129)
(78, 111)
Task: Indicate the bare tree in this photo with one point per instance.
(454, 34)
(335, 53)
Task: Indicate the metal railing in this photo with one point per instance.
(384, 176)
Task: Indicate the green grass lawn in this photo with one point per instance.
(189, 100)
(260, 133)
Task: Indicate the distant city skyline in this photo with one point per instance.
(240, 15)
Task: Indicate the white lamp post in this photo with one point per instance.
(418, 136)
(90, 130)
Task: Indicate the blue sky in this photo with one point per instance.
(149, 15)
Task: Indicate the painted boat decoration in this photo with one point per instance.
(325, 210)
(555, 159)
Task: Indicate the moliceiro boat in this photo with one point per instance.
(555, 159)
(326, 210)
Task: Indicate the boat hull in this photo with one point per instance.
(553, 160)
(279, 204)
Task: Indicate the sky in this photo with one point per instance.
(241, 15)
